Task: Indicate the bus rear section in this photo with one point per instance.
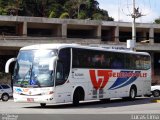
(112, 74)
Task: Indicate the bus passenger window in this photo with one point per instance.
(64, 57)
(59, 74)
(117, 63)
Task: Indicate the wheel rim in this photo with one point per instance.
(156, 93)
(133, 93)
(5, 97)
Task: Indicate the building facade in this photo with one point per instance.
(18, 31)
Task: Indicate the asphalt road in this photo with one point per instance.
(115, 106)
(116, 109)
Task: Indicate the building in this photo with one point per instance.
(18, 31)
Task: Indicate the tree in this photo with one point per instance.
(78, 5)
(2, 7)
(82, 15)
(38, 8)
(105, 15)
(75, 9)
(97, 16)
(52, 14)
(9, 7)
(92, 5)
(157, 20)
(57, 9)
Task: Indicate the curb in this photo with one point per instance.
(156, 101)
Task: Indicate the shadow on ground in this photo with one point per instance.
(99, 104)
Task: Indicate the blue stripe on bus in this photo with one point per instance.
(121, 82)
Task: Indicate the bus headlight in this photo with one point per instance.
(51, 92)
(48, 93)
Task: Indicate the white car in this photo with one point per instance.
(5, 92)
(155, 90)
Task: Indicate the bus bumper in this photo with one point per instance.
(34, 99)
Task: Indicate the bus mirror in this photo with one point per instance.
(8, 64)
(52, 62)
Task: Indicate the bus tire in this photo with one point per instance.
(133, 93)
(78, 96)
(105, 100)
(43, 105)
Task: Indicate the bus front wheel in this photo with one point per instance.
(78, 96)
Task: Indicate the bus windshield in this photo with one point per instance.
(32, 68)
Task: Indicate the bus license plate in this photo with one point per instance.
(30, 99)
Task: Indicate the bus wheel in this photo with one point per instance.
(43, 105)
(105, 100)
(76, 98)
(132, 93)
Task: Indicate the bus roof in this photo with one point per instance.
(48, 46)
(62, 45)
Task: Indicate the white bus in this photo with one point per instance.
(60, 73)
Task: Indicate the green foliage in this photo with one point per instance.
(82, 15)
(3, 11)
(157, 21)
(97, 16)
(52, 14)
(64, 15)
(75, 9)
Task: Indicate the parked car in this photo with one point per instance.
(155, 90)
(5, 92)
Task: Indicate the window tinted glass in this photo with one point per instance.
(83, 58)
(63, 66)
(65, 58)
(5, 86)
(60, 74)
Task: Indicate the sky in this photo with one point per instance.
(121, 9)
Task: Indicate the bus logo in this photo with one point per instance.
(99, 78)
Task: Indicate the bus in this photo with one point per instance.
(65, 73)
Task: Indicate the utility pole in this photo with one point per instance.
(134, 22)
(134, 15)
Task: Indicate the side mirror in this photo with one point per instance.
(52, 62)
(8, 64)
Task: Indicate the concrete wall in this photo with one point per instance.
(18, 31)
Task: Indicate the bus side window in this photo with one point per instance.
(59, 73)
(118, 61)
(65, 59)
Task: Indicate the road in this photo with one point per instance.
(115, 106)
